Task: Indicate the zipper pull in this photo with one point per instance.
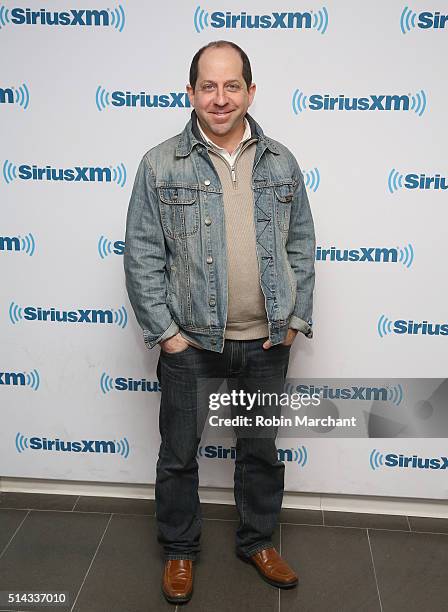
(233, 174)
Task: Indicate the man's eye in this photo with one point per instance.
(233, 87)
(208, 87)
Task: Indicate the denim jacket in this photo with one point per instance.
(175, 244)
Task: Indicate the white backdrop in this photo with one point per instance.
(61, 241)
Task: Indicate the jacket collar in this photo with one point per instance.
(191, 136)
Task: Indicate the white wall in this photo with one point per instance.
(363, 52)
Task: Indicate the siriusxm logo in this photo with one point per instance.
(121, 383)
(393, 394)
(394, 102)
(297, 455)
(312, 179)
(19, 96)
(21, 379)
(397, 181)
(106, 247)
(377, 460)
(403, 255)
(308, 20)
(26, 244)
(36, 313)
(84, 174)
(105, 447)
(386, 326)
(104, 98)
(114, 18)
(409, 20)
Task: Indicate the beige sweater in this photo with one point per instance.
(246, 313)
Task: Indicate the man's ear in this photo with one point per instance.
(252, 89)
(190, 93)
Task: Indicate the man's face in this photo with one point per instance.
(220, 97)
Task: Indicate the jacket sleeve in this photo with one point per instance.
(301, 248)
(145, 260)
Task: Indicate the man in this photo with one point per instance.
(219, 263)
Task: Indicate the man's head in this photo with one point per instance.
(221, 88)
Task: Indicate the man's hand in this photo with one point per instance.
(290, 337)
(175, 344)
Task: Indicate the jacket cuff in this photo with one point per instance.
(172, 330)
(301, 326)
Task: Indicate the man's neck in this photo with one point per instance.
(229, 142)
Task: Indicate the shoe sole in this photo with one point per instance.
(176, 600)
(279, 585)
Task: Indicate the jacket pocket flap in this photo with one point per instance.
(178, 195)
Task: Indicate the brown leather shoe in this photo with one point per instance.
(177, 583)
(273, 569)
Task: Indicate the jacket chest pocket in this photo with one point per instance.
(283, 196)
(179, 210)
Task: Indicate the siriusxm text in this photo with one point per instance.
(435, 20)
(363, 254)
(12, 378)
(129, 384)
(414, 461)
(76, 174)
(82, 446)
(348, 393)
(371, 103)
(6, 95)
(9, 243)
(424, 328)
(70, 17)
(286, 20)
(422, 181)
(145, 100)
(33, 313)
(118, 247)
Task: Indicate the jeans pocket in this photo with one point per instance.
(283, 346)
(182, 352)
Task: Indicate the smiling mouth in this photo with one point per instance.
(220, 113)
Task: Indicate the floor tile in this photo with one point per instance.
(9, 522)
(365, 520)
(334, 567)
(224, 583)
(51, 552)
(411, 570)
(120, 505)
(127, 571)
(429, 524)
(37, 501)
(226, 512)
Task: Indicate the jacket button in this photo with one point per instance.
(207, 221)
(207, 182)
(212, 302)
(209, 259)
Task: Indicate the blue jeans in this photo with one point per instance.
(258, 475)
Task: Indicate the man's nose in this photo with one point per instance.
(220, 97)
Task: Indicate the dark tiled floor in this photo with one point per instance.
(104, 553)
